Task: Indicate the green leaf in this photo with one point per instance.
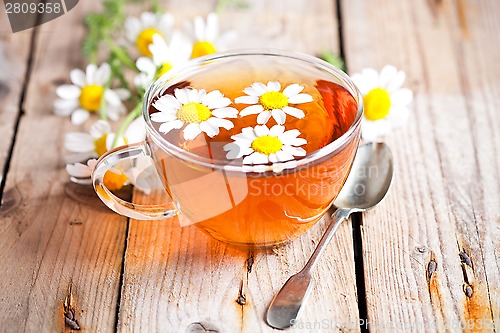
(333, 58)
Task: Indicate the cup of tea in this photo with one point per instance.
(252, 147)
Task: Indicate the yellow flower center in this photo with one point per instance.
(100, 145)
(114, 181)
(273, 100)
(202, 48)
(144, 39)
(193, 112)
(163, 69)
(90, 97)
(377, 104)
(267, 145)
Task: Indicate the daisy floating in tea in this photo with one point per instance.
(268, 100)
(198, 110)
(261, 145)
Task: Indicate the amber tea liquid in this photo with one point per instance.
(251, 208)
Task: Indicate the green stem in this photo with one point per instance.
(136, 112)
(119, 53)
(102, 109)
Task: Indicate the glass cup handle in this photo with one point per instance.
(136, 211)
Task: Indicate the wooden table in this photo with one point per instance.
(426, 260)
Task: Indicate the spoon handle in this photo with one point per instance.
(339, 216)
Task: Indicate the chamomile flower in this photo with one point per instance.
(385, 101)
(140, 31)
(165, 57)
(206, 37)
(261, 145)
(93, 144)
(268, 100)
(201, 111)
(86, 93)
(114, 179)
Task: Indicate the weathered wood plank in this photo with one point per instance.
(14, 52)
(443, 209)
(55, 235)
(178, 280)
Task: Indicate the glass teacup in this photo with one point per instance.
(269, 169)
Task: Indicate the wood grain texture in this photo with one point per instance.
(179, 280)
(55, 235)
(431, 250)
(14, 52)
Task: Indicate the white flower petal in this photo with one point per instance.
(90, 72)
(227, 112)
(362, 85)
(402, 97)
(78, 170)
(212, 27)
(253, 109)
(79, 116)
(260, 87)
(136, 131)
(370, 76)
(211, 96)
(210, 129)
(396, 82)
(288, 136)
(102, 74)
(191, 131)
(261, 130)
(148, 19)
(297, 142)
(258, 158)
(279, 116)
(273, 86)
(132, 27)
(65, 105)
(163, 117)
(99, 128)
(68, 91)
(296, 151)
(79, 142)
(77, 77)
(199, 28)
(277, 130)
(227, 124)
(284, 156)
(181, 95)
(292, 90)
(263, 117)
(219, 103)
(297, 113)
(386, 75)
(374, 130)
(193, 96)
(246, 100)
(398, 116)
(145, 64)
(167, 127)
(251, 92)
(112, 98)
(300, 98)
(122, 93)
(166, 103)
